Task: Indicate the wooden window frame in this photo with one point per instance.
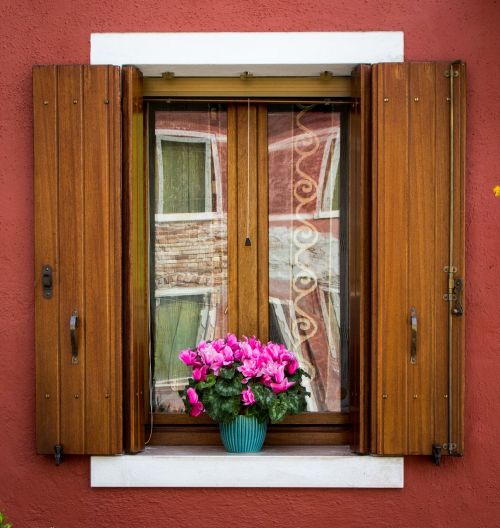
(315, 428)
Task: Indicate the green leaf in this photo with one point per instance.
(277, 410)
(227, 373)
(228, 388)
(207, 383)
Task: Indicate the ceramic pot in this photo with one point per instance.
(245, 434)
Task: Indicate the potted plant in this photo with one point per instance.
(243, 385)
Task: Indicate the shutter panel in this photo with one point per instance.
(359, 236)
(413, 400)
(78, 235)
(135, 258)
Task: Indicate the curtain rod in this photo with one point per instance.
(253, 100)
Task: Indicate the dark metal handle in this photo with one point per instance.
(73, 325)
(413, 322)
(47, 281)
(458, 309)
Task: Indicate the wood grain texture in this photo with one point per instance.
(411, 239)
(422, 243)
(232, 221)
(85, 240)
(276, 435)
(262, 330)
(46, 253)
(71, 255)
(359, 243)
(248, 308)
(135, 261)
(442, 156)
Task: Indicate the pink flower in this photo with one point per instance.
(218, 345)
(282, 386)
(248, 397)
(196, 409)
(192, 395)
(292, 366)
(279, 375)
(249, 369)
(227, 352)
(200, 373)
(212, 358)
(188, 356)
(232, 342)
(196, 405)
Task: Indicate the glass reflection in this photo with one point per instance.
(305, 216)
(189, 156)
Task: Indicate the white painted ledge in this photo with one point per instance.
(273, 467)
(228, 54)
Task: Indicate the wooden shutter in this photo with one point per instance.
(359, 238)
(78, 243)
(413, 402)
(135, 260)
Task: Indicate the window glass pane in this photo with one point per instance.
(306, 220)
(189, 147)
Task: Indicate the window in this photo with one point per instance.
(394, 247)
(198, 150)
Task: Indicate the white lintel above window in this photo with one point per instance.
(262, 54)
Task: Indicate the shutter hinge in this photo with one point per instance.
(58, 452)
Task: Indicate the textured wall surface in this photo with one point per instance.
(463, 492)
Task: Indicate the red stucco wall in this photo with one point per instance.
(463, 492)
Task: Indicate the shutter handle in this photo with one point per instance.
(73, 325)
(413, 347)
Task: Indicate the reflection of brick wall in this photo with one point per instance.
(191, 253)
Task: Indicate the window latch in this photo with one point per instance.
(413, 346)
(47, 281)
(73, 325)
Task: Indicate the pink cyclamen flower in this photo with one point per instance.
(200, 373)
(248, 397)
(196, 405)
(293, 365)
(188, 357)
(249, 369)
(281, 386)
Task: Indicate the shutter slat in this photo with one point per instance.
(422, 244)
(84, 183)
(46, 251)
(71, 255)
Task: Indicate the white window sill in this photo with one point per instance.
(273, 467)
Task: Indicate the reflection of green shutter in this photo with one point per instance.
(177, 324)
(336, 191)
(183, 176)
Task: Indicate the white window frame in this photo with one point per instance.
(328, 178)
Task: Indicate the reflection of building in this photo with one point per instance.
(191, 242)
(304, 275)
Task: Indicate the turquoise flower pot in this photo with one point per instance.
(245, 434)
